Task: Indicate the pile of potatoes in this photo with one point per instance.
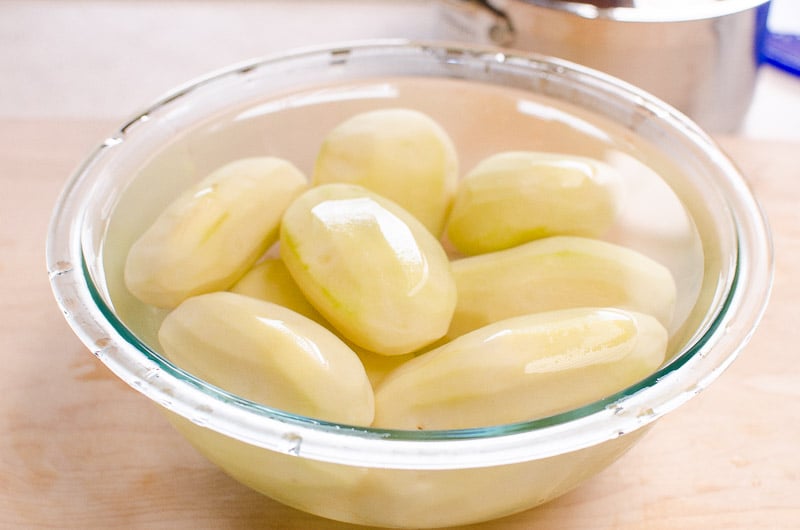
(386, 291)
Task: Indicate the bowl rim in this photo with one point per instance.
(95, 323)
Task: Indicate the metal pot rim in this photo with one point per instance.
(651, 10)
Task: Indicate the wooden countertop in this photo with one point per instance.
(81, 450)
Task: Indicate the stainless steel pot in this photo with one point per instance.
(701, 56)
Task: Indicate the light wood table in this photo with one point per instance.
(81, 450)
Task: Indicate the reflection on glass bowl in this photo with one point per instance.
(683, 203)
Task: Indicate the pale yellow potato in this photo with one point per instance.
(270, 280)
(514, 197)
(369, 267)
(558, 272)
(268, 354)
(521, 369)
(213, 233)
(399, 153)
(379, 366)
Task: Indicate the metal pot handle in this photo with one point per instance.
(481, 19)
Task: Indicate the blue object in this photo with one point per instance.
(782, 50)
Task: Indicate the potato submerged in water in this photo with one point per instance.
(514, 197)
(558, 273)
(369, 267)
(208, 237)
(401, 154)
(270, 280)
(521, 369)
(268, 354)
(532, 325)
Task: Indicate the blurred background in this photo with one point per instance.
(107, 59)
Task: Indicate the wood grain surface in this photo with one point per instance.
(81, 450)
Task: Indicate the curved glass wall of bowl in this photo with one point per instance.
(82, 258)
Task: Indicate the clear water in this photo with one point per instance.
(481, 119)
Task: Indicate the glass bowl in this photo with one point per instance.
(684, 203)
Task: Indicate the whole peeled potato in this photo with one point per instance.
(514, 197)
(369, 267)
(268, 354)
(521, 369)
(214, 232)
(402, 154)
(559, 272)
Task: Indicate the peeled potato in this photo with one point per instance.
(270, 280)
(514, 197)
(521, 369)
(379, 366)
(401, 154)
(558, 273)
(213, 233)
(268, 354)
(369, 267)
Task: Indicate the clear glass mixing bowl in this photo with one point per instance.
(685, 204)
